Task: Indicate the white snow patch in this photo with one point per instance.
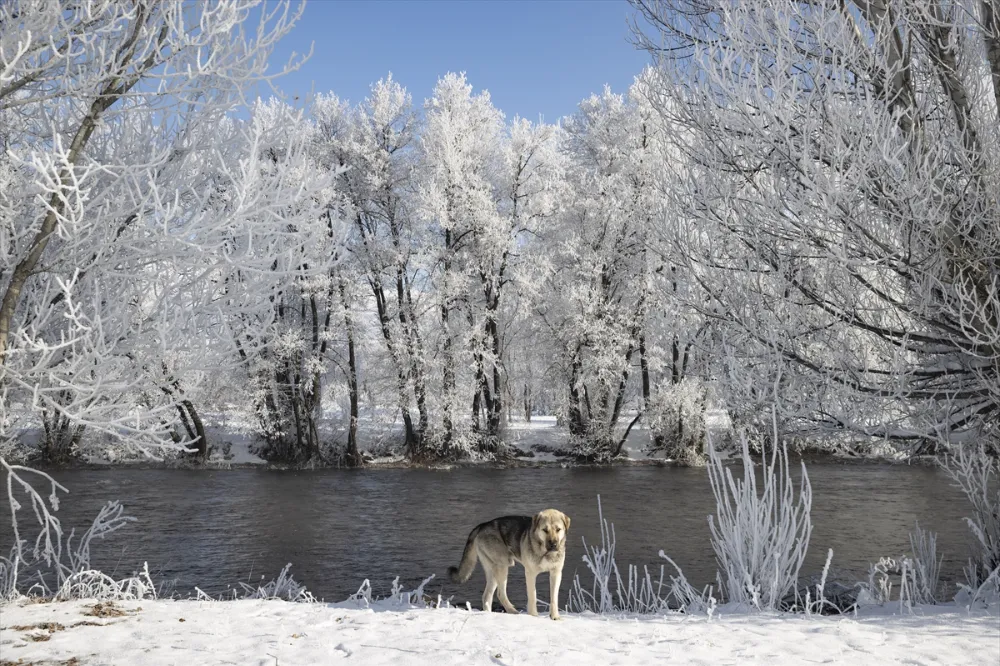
(157, 633)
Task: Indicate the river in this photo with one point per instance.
(337, 527)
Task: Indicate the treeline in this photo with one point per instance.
(807, 232)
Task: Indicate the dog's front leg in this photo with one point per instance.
(555, 579)
(529, 577)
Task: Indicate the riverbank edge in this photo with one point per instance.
(567, 462)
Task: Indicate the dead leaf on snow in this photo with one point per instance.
(105, 609)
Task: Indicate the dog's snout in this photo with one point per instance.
(553, 545)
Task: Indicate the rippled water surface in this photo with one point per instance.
(213, 528)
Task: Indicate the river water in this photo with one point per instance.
(213, 528)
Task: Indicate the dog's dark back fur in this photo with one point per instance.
(508, 529)
(511, 529)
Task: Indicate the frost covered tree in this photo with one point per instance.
(109, 116)
(528, 189)
(605, 287)
(843, 205)
(459, 158)
(374, 145)
(486, 187)
(281, 292)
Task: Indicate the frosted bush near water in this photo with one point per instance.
(74, 578)
(283, 587)
(286, 588)
(975, 473)
(398, 597)
(760, 539)
(93, 584)
(610, 594)
(922, 572)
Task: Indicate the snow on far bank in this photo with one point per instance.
(155, 633)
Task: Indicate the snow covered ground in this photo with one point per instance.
(279, 633)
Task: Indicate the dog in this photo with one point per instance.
(538, 542)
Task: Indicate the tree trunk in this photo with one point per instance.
(353, 456)
(527, 404)
(496, 404)
(577, 419)
(656, 438)
(200, 440)
(412, 439)
(448, 356)
(477, 404)
(415, 351)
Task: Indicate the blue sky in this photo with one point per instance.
(534, 56)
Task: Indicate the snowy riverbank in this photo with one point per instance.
(276, 632)
(541, 442)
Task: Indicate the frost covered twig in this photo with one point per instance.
(71, 566)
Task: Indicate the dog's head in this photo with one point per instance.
(549, 528)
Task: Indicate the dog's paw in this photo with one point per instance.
(558, 618)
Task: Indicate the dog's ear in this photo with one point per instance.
(565, 522)
(534, 522)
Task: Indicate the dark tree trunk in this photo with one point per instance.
(527, 404)
(404, 301)
(477, 406)
(353, 456)
(448, 355)
(196, 428)
(60, 434)
(655, 437)
(412, 440)
(495, 403)
(577, 418)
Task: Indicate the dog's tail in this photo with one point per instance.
(461, 573)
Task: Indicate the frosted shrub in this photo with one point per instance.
(462, 443)
(283, 587)
(924, 568)
(9, 569)
(405, 598)
(398, 597)
(676, 420)
(760, 539)
(363, 597)
(685, 596)
(919, 574)
(13, 449)
(609, 593)
(52, 553)
(877, 590)
(975, 473)
(93, 584)
(988, 592)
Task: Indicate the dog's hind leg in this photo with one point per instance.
(500, 575)
(491, 586)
